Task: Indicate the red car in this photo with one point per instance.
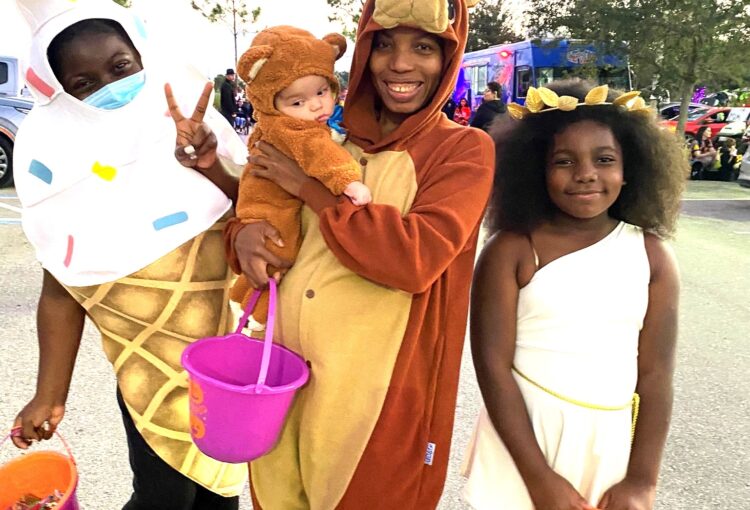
(715, 118)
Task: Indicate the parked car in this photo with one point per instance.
(744, 141)
(670, 110)
(737, 123)
(744, 178)
(12, 112)
(720, 98)
(715, 118)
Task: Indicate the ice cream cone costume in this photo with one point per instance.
(279, 56)
(134, 236)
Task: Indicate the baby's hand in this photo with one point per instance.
(358, 193)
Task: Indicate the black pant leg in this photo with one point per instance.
(207, 500)
(156, 485)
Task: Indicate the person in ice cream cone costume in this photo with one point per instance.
(126, 234)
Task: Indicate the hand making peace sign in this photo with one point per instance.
(196, 143)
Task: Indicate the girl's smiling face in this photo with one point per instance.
(93, 60)
(585, 170)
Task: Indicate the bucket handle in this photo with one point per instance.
(16, 432)
(268, 341)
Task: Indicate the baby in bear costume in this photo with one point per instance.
(291, 85)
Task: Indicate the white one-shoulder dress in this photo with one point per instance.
(579, 319)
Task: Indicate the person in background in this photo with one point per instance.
(228, 102)
(248, 110)
(449, 108)
(241, 118)
(463, 112)
(729, 160)
(702, 149)
(492, 107)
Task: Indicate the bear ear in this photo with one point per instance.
(472, 3)
(338, 42)
(252, 60)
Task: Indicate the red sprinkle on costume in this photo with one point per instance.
(39, 84)
(69, 253)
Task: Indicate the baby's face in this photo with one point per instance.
(307, 98)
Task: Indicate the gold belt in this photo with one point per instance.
(634, 402)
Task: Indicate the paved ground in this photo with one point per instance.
(735, 210)
(733, 201)
(707, 465)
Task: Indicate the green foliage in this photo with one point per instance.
(233, 13)
(672, 44)
(219, 79)
(343, 77)
(226, 10)
(124, 3)
(489, 24)
(347, 13)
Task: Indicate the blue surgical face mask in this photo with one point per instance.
(119, 93)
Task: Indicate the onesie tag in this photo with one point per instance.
(429, 454)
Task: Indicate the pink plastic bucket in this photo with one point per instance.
(241, 389)
(39, 473)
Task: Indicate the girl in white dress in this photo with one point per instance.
(574, 305)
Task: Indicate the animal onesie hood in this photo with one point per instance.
(378, 297)
(279, 56)
(122, 225)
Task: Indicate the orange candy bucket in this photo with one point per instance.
(39, 473)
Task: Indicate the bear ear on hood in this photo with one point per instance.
(252, 61)
(472, 3)
(338, 42)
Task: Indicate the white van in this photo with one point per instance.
(11, 82)
(737, 122)
(744, 178)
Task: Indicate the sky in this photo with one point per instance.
(173, 23)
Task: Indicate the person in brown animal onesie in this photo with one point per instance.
(293, 89)
(378, 297)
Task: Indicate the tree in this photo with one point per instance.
(346, 12)
(124, 3)
(233, 13)
(343, 77)
(489, 24)
(671, 44)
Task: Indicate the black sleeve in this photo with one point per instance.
(482, 117)
(725, 157)
(227, 99)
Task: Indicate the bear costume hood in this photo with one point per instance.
(280, 55)
(449, 20)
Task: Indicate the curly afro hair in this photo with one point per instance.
(654, 167)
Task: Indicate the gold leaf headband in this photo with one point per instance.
(542, 99)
